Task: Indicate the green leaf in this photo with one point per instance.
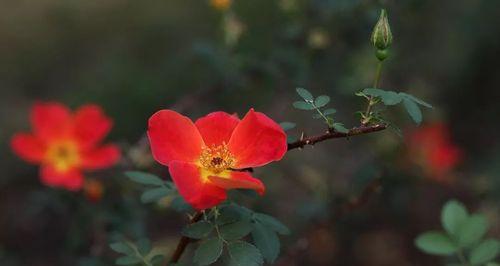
(452, 216)
(472, 230)
(322, 101)
(303, 105)
(287, 125)
(127, 261)
(144, 246)
(266, 241)
(329, 111)
(415, 99)
(197, 230)
(305, 94)
(144, 178)
(154, 194)
(391, 98)
(228, 215)
(180, 205)
(235, 230)
(122, 247)
(413, 110)
(374, 92)
(208, 251)
(340, 128)
(272, 223)
(436, 243)
(484, 252)
(244, 254)
(157, 260)
(493, 264)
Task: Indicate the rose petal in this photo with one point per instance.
(173, 137)
(70, 179)
(217, 127)
(257, 140)
(238, 180)
(102, 157)
(201, 195)
(91, 125)
(50, 120)
(28, 147)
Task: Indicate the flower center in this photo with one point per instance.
(216, 158)
(63, 155)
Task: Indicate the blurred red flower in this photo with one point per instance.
(64, 144)
(93, 190)
(202, 156)
(431, 147)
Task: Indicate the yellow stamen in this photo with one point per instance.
(62, 155)
(215, 159)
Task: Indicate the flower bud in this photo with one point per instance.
(381, 35)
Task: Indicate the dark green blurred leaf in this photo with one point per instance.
(340, 128)
(122, 247)
(472, 230)
(127, 261)
(144, 246)
(303, 105)
(154, 194)
(235, 230)
(484, 252)
(437, 243)
(413, 110)
(266, 241)
(244, 254)
(452, 216)
(287, 125)
(329, 111)
(180, 205)
(305, 94)
(322, 101)
(272, 223)
(208, 251)
(157, 260)
(415, 99)
(197, 230)
(144, 178)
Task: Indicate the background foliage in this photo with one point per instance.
(135, 58)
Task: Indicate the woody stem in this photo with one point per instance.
(184, 241)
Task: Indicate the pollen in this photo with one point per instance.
(63, 155)
(216, 158)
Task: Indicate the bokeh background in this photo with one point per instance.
(136, 57)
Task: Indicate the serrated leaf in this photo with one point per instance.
(436, 243)
(329, 111)
(197, 230)
(472, 230)
(413, 110)
(144, 178)
(415, 99)
(272, 223)
(228, 215)
(303, 105)
(484, 252)
(452, 216)
(154, 194)
(208, 251)
(144, 246)
(235, 230)
(391, 98)
(305, 94)
(322, 101)
(266, 241)
(122, 247)
(244, 254)
(127, 261)
(287, 125)
(340, 128)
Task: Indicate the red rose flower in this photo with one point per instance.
(64, 144)
(431, 147)
(202, 156)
